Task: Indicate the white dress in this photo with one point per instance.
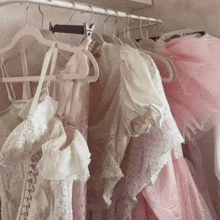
(39, 142)
(124, 103)
(147, 155)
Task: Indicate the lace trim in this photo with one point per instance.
(20, 144)
(106, 172)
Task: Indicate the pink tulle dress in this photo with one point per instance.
(194, 102)
(194, 97)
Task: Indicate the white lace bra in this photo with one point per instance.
(24, 139)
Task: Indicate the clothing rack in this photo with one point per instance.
(82, 8)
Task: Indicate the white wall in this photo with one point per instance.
(179, 14)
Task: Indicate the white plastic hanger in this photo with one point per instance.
(107, 38)
(95, 36)
(118, 41)
(169, 65)
(127, 40)
(34, 32)
(49, 35)
(146, 41)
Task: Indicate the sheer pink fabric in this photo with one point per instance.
(195, 96)
(174, 196)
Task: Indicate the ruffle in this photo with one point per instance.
(141, 103)
(194, 96)
(60, 162)
(143, 123)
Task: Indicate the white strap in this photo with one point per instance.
(66, 89)
(52, 51)
(69, 93)
(9, 86)
(26, 93)
(74, 101)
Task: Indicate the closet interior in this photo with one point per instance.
(103, 114)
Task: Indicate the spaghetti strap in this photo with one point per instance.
(52, 52)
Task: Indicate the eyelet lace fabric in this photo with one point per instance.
(61, 164)
(58, 167)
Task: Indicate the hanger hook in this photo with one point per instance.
(114, 29)
(27, 12)
(42, 18)
(74, 11)
(142, 35)
(148, 20)
(107, 16)
(129, 21)
(92, 13)
(116, 18)
(126, 29)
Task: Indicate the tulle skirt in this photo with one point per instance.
(194, 97)
(178, 194)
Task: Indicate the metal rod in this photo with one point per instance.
(79, 7)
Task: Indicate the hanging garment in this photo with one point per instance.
(195, 96)
(147, 154)
(191, 125)
(11, 177)
(69, 189)
(175, 194)
(74, 109)
(123, 104)
(47, 188)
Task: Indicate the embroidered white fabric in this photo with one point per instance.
(45, 187)
(27, 137)
(11, 177)
(60, 164)
(58, 168)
